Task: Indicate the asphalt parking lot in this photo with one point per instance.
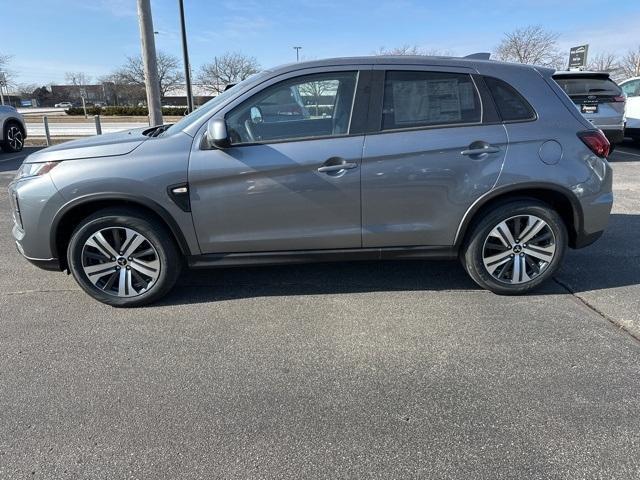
(352, 370)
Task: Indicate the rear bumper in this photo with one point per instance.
(632, 132)
(614, 136)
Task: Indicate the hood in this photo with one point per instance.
(108, 145)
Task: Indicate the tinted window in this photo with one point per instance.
(510, 104)
(631, 89)
(416, 99)
(304, 107)
(586, 85)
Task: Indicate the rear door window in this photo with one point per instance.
(631, 89)
(423, 99)
(510, 104)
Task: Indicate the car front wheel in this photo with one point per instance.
(13, 138)
(516, 247)
(123, 258)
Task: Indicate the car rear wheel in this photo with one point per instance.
(516, 247)
(13, 138)
(123, 259)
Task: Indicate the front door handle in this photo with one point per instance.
(480, 151)
(337, 167)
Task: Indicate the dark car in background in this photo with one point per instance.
(598, 98)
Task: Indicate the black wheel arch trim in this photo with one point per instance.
(118, 196)
(471, 212)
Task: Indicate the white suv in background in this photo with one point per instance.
(12, 129)
(631, 89)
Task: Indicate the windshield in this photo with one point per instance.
(208, 107)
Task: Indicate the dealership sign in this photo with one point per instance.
(578, 56)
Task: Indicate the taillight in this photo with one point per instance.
(619, 98)
(596, 141)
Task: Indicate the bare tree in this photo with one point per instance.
(316, 90)
(532, 45)
(231, 67)
(604, 62)
(169, 72)
(630, 63)
(411, 50)
(6, 75)
(79, 79)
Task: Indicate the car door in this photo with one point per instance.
(431, 158)
(631, 89)
(291, 178)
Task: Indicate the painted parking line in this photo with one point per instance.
(15, 156)
(626, 152)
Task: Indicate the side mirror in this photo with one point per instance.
(217, 135)
(256, 115)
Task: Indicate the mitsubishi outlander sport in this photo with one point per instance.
(349, 158)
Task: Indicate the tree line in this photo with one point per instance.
(530, 45)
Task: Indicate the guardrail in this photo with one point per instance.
(56, 129)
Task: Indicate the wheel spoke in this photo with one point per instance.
(100, 243)
(541, 253)
(122, 283)
(494, 261)
(149, 269)
(534, 225)
(132, 242)
(503, 233)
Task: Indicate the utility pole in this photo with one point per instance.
(185, 54)
(150, 62)
(3, 81)
(297, 49)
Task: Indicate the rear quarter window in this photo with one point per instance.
(510, 104)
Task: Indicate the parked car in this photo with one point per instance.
(598, 98)
(631, 89)
(419, 157)
(63, 105)
(13, 131)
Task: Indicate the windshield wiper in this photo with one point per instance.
(157, 130)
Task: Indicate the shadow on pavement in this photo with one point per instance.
(613, 261)
(12, 161)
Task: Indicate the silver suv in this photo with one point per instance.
(12, 129)
(381, 158)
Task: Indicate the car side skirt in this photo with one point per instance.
(213, 260)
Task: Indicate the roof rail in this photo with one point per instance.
(479, 56)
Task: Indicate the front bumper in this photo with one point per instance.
(43, 263)
(34, 202)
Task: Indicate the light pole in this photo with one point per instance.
(185, 54)
(297, 49)
(150, 62)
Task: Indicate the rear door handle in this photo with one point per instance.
(480, 151)
(337, 167)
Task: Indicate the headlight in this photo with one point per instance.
(35, 169)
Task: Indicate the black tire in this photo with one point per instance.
(474, 247)
(12, 128)
(157, 235)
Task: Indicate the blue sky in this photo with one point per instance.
(47, 38)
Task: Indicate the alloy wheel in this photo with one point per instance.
(519, 249)
(15, 139)
(120, 261)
